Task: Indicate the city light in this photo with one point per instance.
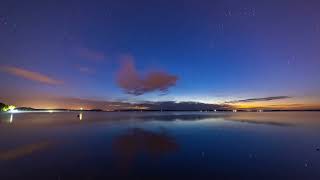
(9, 108)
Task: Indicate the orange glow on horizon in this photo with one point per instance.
(279, 106)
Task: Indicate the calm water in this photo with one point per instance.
(97, 145)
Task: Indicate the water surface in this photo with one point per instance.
(160, 145)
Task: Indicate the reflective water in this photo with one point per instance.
(160, 145)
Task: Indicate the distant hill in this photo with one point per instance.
(25, 109)
(34, 109)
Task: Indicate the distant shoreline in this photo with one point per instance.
(132, 110)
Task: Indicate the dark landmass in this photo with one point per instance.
(34, 109)
(2, 105)
(25, 109)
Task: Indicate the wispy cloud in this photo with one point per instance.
(271, 98)
(30, 75)
(132, 82)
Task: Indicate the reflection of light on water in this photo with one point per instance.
(13, 111)
(11, 118)
(80, 116)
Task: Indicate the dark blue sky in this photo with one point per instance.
(208, 51)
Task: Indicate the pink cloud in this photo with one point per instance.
(30, 75)
(134, 83)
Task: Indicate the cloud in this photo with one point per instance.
(30, 75)
(271, 98)
(132, 82)
(90, 54)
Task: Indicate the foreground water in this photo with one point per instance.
(160, 145)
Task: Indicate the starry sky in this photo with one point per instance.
(91, 54)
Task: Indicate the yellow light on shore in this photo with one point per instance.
(9, 108)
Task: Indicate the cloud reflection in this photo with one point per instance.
(25, 150)
(261, 122)
(137, 141)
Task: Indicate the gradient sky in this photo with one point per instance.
(193, 50)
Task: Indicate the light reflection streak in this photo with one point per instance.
(80, 116)
(11, 118)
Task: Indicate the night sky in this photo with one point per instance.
(91, 54)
